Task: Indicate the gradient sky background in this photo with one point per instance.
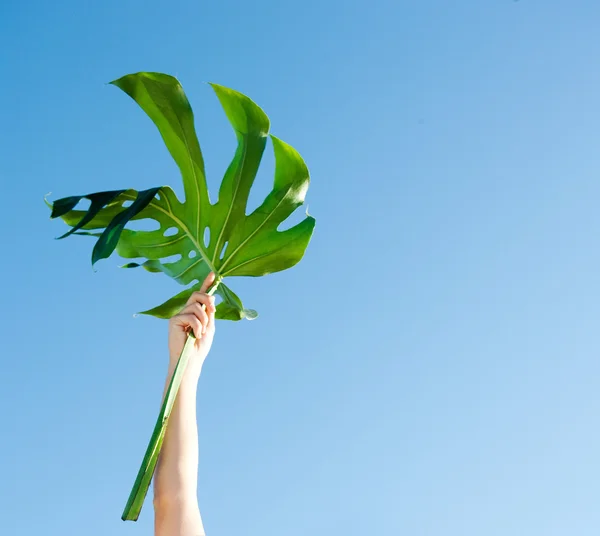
(431, 368)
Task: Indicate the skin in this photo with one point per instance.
(176, 511)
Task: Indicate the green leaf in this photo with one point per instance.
(240, 244)
(108, 240)
(230, 308)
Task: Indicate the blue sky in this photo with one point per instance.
(431, 367)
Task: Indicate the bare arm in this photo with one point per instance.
(176, 511)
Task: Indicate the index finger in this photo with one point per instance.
(210, 279)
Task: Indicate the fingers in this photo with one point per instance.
(198, 314)
(190, 321)
(202, 299)
(210, 279)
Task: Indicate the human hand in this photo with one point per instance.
(196, 319)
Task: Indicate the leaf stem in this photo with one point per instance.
(146, 471)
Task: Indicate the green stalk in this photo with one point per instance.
(146, 471)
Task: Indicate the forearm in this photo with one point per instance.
(176, 510)
(176, 478)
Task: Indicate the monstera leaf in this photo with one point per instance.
(238, 244)
(195, 236)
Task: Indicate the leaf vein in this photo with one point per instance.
(235, 192)
(183, 227)
(243, 243)
(189, 268)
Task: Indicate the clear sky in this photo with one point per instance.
(430, 369)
